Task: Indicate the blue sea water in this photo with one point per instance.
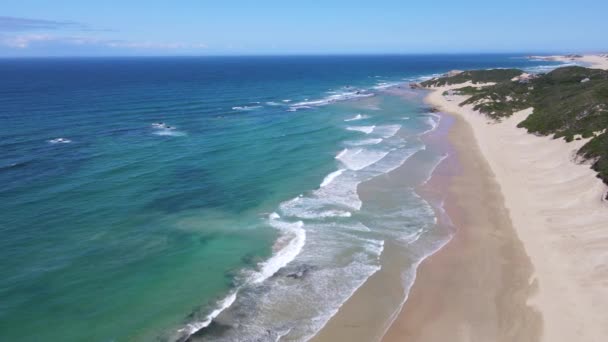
(141, 196)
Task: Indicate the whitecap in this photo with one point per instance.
(291, 241)
(360, 158)
(363, 129)
(161, 125)
(341, 96)
(161, 128)
(296, 108)
(341, 153)
(357, 117)
(245, 108)
(193, 327)
(60, 141)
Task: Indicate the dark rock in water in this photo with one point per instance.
(300, 272)
(425, 110)
(416, 86)
(251, 259)
(207, 238)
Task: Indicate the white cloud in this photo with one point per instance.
(24, 41)
(154, 45)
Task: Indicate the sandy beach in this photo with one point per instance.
(599, 61)
(552, 223)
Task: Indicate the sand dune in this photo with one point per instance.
(557, 210)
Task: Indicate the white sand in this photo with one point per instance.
(596, 61)
(593, 61)
(557, 210)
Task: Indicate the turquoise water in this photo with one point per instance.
(139, 195)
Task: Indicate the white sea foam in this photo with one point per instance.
(324, 214)
(363, 129)
(376, 247)
(340, 194)
(353, 276)
(60, 141)
(291, 241)
(272, 103)
(330, 177)
(169, 132)
(336, 213)
(193, 327)
(432, 120)
(161, 128)
(341, 153)
(161, 125)
(306, 304)
(357, 117)
(339, 96)
(363, 142)
(441, 159)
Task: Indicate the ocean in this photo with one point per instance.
(207, 198)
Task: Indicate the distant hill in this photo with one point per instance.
(476, 76)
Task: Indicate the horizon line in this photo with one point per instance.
(362, 54)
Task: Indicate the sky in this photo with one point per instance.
(273, 27)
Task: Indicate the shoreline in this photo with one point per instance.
(556, 209)
(369, 313)
(476, 287)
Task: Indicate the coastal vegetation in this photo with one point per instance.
(475, 76)
(569, 102)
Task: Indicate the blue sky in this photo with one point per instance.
(234, 27)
